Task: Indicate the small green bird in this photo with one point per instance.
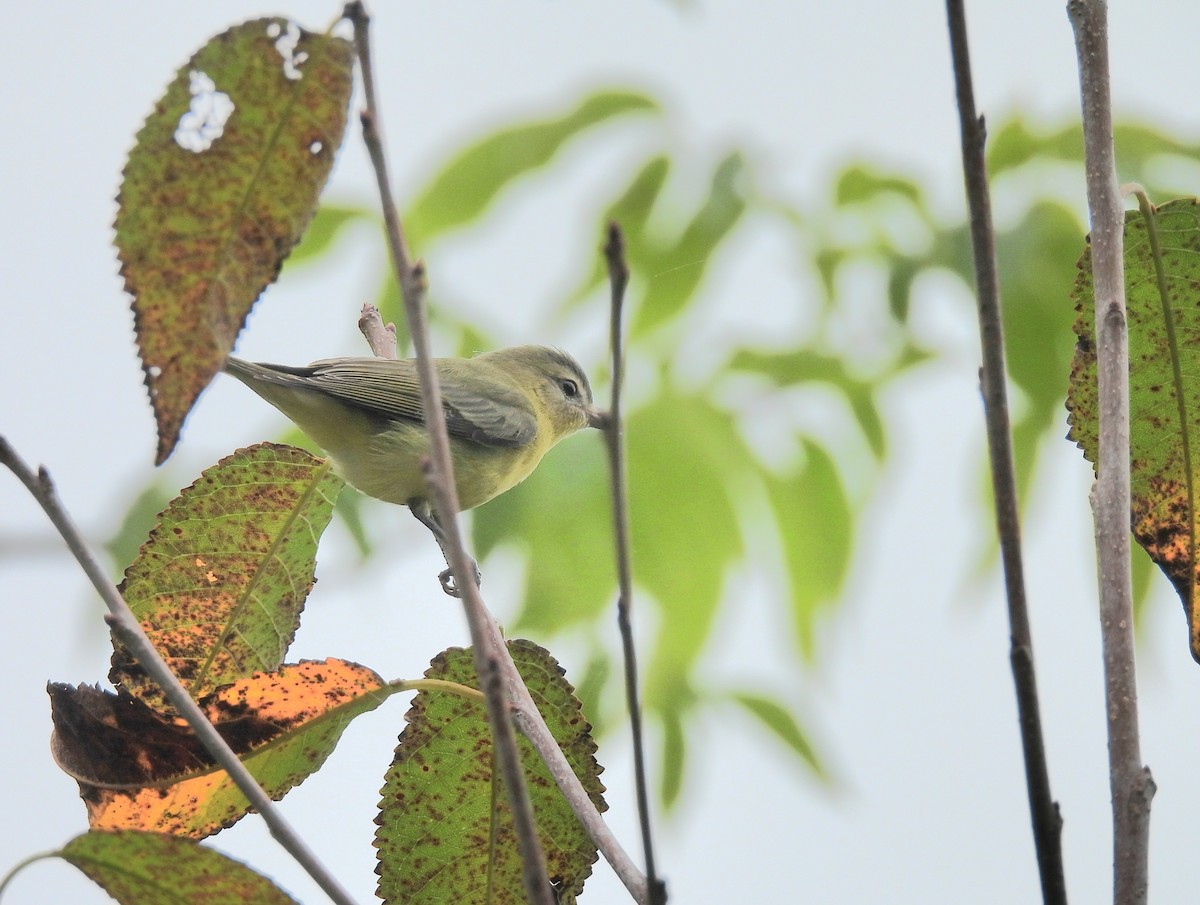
(504, 411)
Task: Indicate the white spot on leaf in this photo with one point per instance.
(286, 44)
(316, 147)
(205, 119)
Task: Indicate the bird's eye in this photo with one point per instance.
(569, 388)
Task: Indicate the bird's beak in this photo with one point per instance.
(598, 418)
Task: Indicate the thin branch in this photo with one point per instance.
(127, 629)
(440, 478)
(618, 277)
(1131, 784)
(490, 649)
(1046, 819)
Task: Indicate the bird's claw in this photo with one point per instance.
(446, 577)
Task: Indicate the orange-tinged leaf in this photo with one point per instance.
(283, 725)
(220, 583)
(221, 182)
(155, 869)
(445, 830)
(1163, 313)
(114, 740)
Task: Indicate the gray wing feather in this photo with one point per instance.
(483, 411)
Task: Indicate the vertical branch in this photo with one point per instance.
(508, 697)
(440, 478)
(618, 276)
(1131, 784)
(127, 628)
(505, 693)
(1047, 822)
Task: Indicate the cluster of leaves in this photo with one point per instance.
(220, 584)
(690, 462)
(219, 587)
(222, 581)
(701, 491)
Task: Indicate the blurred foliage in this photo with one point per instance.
(710, 507)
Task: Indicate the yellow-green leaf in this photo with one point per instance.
(221, 182)
(561, 519)
(675, 272)
(220, 583)
(685, 460)
(782, 722)
(155, 869)
(1162, 273)
(470, 182)
(445, 830)
(816, 525)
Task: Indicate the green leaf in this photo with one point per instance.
(859, 183)
(139, 518)
(631, 210)
(596, 675)
(1162, 271)
(1036, 263)
(674, 756)
(782, 723)
(674, 273)
(816, 526)
(561, 520)
(685, 458)
(220, 584)
(324, 230)
(799, 366)
(445, 830)
(155, 869)
(471, 182)
(349, 508)
(1016, 144)
(220, 185)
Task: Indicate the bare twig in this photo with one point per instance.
(1131, 784)
(127, 629)
(380, 337)
(618, 277)
(1047, 821)
(487, 649)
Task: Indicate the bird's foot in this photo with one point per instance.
(446, 577)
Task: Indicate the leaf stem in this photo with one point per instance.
(129, 632)
(1131, 784)
(1044, 812)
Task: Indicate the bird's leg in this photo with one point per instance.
(424, 514)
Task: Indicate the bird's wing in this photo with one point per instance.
(477, 409)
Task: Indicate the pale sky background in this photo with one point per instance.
(911, 702)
